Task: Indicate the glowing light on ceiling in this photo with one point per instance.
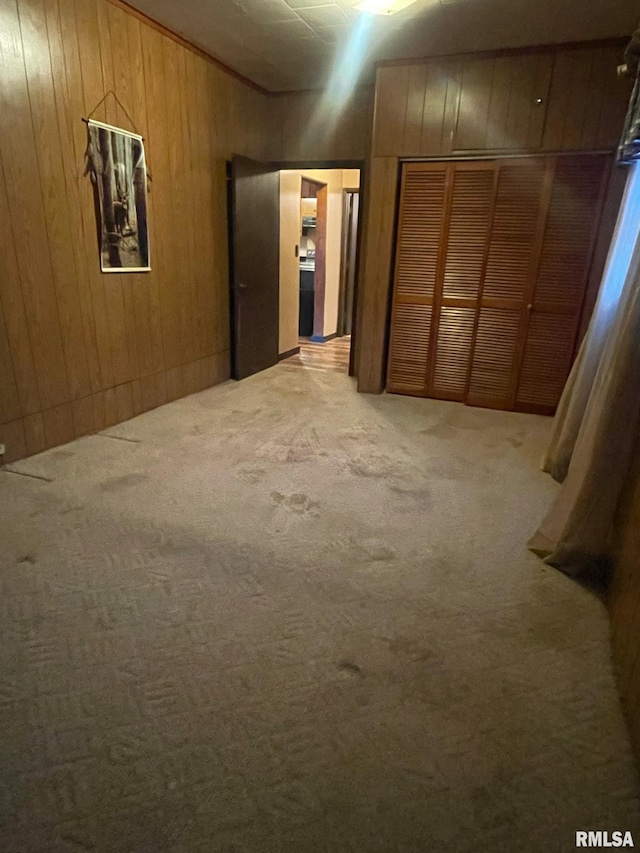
(383, 7)
(342, 81)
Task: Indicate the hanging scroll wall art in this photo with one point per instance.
(116, 163)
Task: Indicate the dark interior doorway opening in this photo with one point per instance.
(318, 273)
(324, 306)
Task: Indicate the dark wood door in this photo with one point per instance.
(350, 214)
(255, 247)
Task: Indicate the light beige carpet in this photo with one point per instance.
(281, 616)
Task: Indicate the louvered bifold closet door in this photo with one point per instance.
(506, 282)
(468, 223)
(577, 187)
(420, 231)
(492, 267)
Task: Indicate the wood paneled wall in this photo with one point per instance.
(624, 600)
(551, 100)
(80, 350)
(532, 101)
(311, 126)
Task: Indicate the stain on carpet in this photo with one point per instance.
(440, 431)
(350, 670)
(378, 551)
(296, 502)
(123, 482)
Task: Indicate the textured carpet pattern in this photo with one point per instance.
(281, 616)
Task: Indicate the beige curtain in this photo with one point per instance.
(596, 424)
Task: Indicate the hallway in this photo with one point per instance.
(332, 355)
(281, 616)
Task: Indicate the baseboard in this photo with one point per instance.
(322, 339)
(288, 353)
(114, 405)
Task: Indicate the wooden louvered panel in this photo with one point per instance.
(493, 358)
(409, 350)
(420, 232)
(523, 241)
(569, 233)
(469, 223)
(514, 230)
(453, 350)
(546, 362)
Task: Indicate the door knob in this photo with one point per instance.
(529, 307)
(242, 286)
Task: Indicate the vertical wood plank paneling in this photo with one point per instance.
(521, 103)
(121, 74)
(13, 437)
(376, 275)
(433, 113)
(499, 106)
(161, 256)
(58, 424)
(170, 203)
(453, 70)
(390, 110)
(580, 103)
(54, 192)
(417, 88)
(559, 97)
(584, 85)
(498, 117)
(205, 128)
(65, 121)
(34, 433)
(9, 401)
(115, 287)
(199, 166)
(192, 240)
(539, 99)
(601, 68)
(86, 90)
(146, 300)
(306, 125)
(82, 416)
(64, 46)
(17, 327)
(24, 195)
(474, 104)
(218, 300)
(80, 351)
(176, 211)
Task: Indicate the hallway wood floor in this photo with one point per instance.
(332, 356)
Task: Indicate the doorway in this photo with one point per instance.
(318, 257)
(276, 233)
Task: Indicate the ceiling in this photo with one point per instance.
(295, 44)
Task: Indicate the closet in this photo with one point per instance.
(491, 269)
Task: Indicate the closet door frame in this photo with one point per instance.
(450, 165)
